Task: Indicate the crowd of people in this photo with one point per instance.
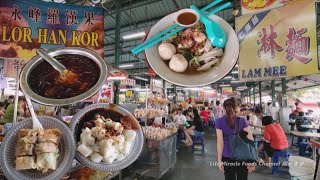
(227, 119)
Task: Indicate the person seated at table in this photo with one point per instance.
(195, 130)
(179, 119)
(255, 119)
(205, 116)
(311, 116)
(294, 115)
(274, 140)
(302, 120)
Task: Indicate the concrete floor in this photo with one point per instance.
(192, 166)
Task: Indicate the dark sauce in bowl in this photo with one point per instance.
(187, 18)
(43, 77)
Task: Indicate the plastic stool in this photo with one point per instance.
(303, 148)
(194, 139)
(275, 160)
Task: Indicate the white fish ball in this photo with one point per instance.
(166, 51)
(178, 63)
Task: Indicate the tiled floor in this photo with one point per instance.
(197, 166)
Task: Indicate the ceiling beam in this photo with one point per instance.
(176, 5)
(137, 3)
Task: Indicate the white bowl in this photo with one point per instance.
(184, 11)
(214, 74)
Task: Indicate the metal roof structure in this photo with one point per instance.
(130, 16)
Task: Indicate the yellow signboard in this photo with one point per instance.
(257, 6)
(227, 91)
(128, 93)
(278, 43)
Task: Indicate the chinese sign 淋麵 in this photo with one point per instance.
(28, 25)
(278, 43)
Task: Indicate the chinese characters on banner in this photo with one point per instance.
(28, 25)
(128, 82)
(278, 43)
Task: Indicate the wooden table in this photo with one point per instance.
(315, 145)
(303, 134)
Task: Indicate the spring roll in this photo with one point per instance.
(49, 136)
(25, 162)
(24, 149)
(46, 161)
(46, 148)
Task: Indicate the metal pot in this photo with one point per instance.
(24, 76)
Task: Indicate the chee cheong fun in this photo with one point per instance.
(104, 140)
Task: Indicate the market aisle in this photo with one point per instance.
(191, 166)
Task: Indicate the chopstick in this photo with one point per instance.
(134, 50)
(163, 35)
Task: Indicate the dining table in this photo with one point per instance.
(256, 135)
(303, 134)
(310, 126)
(316, 146)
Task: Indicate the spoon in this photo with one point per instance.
(54, 63)
(215, 33)
(66, 76)
(35, 122)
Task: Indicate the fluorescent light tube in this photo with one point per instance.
(141, 78)
(116, 78)
(234, 72)
(134, 35)
(193, 89)
(126, 65)
(234, 82)
(224, 85)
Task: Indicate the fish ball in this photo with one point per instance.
(178, 63)
(166, 51)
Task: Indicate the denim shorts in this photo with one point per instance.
(198, 133)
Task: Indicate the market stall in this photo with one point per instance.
(65, 69)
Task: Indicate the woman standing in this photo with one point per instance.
(195, 130)
(226, 127)
(218, 110)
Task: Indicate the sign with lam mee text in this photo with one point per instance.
(278, 43)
